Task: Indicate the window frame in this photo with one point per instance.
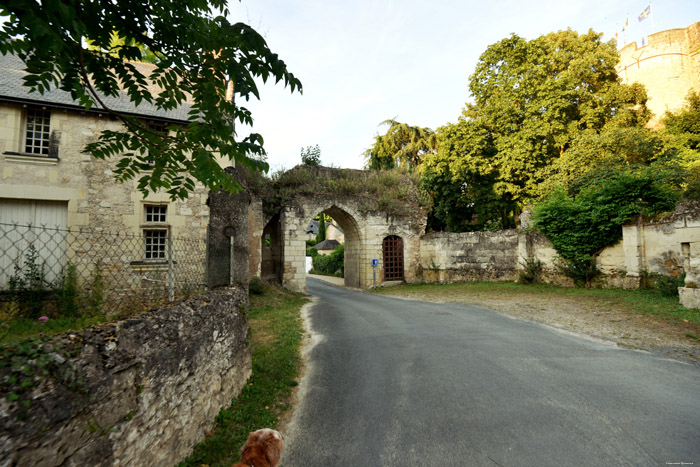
(155, 230)
(28, 144)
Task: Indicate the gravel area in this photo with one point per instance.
(585, 316)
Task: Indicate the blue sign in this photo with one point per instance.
(375, 263)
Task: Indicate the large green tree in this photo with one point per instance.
(532, 100)
(202, 56)
(402, 145)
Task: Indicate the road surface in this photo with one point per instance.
(405, 383)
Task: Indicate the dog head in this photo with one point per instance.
(262, 449)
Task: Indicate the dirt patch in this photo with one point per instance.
(586, 316)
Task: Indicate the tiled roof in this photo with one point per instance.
(12, 70)
(327, 245)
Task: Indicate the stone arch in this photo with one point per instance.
(295, 217)
(353, 243)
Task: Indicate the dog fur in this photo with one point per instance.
(262, 449)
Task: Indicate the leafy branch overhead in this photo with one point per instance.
(200, 57)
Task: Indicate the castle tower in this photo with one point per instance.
(668, 66)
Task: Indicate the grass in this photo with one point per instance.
(639, 301)
(16, 329)
(276, 334)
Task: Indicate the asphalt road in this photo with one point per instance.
(404, 383)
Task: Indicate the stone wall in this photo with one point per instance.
(667, 66)
(469, 256)
(137, 392)
(648, 246)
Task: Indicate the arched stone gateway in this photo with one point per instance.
(368, 206)
(364, 234)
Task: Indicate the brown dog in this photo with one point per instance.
(263, 449)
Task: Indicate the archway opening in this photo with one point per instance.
(271, 247)
(349, 233)
(392, 251)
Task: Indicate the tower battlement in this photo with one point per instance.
(668, 66)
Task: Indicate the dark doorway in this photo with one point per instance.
(392, 247)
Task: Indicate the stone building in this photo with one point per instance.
(46, 179)
(668, 66)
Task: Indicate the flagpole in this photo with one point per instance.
(651, 14)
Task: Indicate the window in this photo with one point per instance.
(155, 213)
(37, 134)
(160, 128)
(155, 244)
(155, 232)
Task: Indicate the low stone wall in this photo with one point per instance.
(648, 246)
(141, 391)
(469, 256)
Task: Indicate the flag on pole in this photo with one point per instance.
(645, 14)
(626, 25)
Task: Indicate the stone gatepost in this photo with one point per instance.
(690, 294)
(228, 239)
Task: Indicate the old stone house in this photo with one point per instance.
(46, 179)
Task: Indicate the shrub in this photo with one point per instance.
(330, 265)
(532, 267)
(664, 284)
(256, 286)
(68, 295)
(580, 226)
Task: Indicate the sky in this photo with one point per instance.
(362, 62)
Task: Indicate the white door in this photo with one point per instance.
(28, 226)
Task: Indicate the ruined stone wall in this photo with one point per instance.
(648, 246)
(667, 66)
(142, 391)
(469, 256)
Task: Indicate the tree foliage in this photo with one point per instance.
(532, 102)
(582, 223)
(311, 155)
(200, 54)
(402, 145)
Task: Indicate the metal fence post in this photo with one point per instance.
(171, 278)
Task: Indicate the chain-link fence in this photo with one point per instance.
(46, 270)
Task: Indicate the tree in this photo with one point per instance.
(532, 102)
(116, 43)
(460, 180)
(311, 156)
(201, 57)
(536, 96)
(683, 129)
(403, 145)
(321, 235)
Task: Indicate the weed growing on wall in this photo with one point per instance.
(390, 191)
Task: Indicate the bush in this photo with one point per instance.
(330, 265)
(256, 286)
(665, 285)
(532, 267)
(580, 226)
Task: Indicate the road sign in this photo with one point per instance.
(375, 263)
